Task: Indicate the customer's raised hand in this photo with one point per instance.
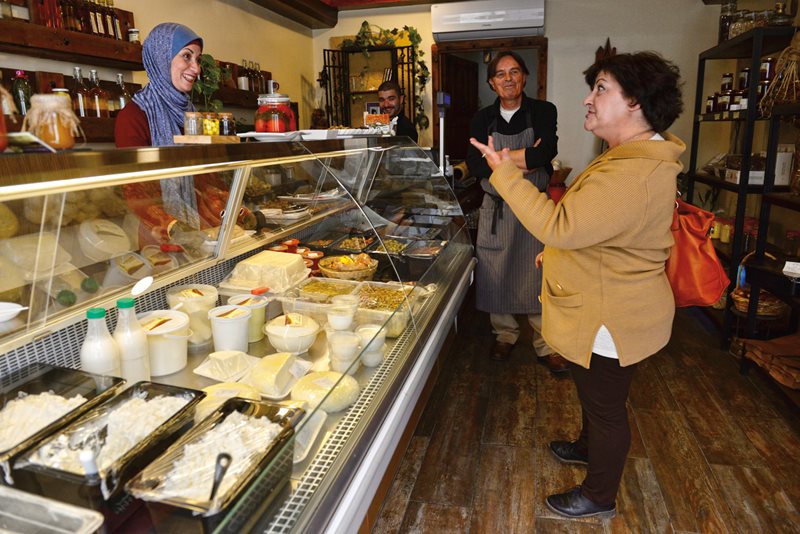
(493, 158)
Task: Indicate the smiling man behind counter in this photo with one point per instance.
(391, 99)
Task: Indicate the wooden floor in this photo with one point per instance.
(712, 450)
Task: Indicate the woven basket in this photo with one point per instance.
(768, 304)
(358, 275)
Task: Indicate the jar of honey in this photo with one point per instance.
(275, 114)
(52, 120)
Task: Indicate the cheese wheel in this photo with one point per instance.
(272, 374)
(314, 387)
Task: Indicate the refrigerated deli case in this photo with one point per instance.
(82, 229)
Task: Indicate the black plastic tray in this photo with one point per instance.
(260, 486)
(92, 492)
(40, 378)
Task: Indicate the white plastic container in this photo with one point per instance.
(132, 340)
(196, 301)
(343, 351)
(341, 317)
(167, 340)
(257, 305)
(99, 352)
(229, 327)
(292, 332)
(101, 239)
(372, 339)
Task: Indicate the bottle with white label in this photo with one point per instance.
(132, 341)
(99, 352)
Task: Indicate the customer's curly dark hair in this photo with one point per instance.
(650, 80)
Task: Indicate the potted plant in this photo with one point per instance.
(208, 82)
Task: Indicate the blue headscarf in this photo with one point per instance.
(164, 106)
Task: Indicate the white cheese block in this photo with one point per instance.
(272, 374)
(275, 270)
(314, 387)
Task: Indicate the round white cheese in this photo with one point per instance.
(314, 387)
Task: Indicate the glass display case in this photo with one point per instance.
(357, 249)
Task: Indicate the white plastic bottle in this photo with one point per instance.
(99, 352)
(132, 341)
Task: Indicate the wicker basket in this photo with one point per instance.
(358, 275)
(768, 304)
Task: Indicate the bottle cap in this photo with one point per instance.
(126, 302)
(95, 313)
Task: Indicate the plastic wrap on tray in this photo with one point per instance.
(253, 433)
(75, 391)
(117, 433)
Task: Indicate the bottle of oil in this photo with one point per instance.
(98, 97)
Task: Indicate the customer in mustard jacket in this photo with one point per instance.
(607, 303)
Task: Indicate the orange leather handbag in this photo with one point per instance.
(693, 269)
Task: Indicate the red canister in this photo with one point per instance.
(275, 114)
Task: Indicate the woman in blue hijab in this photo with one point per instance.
(171, 56)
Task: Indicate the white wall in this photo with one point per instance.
(678, 29)
(418, 17)
(231, 29)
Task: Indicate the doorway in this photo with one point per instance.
(459, 68)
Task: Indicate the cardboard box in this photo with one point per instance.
(783, 171)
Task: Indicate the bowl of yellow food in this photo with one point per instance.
(349, 267)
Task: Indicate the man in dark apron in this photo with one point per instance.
(508, 282)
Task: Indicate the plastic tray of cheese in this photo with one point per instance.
(44, 400)
(120, 447)
(312, 296)
(254, 433)
(277, 271)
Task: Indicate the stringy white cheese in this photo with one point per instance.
(244, 438)
(27, 414)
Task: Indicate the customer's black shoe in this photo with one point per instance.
(567, 452)
(573, 504)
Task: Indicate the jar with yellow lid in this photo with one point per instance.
(52, 120)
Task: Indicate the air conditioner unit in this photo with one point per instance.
(487, 19)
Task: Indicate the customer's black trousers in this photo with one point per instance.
(605, 436)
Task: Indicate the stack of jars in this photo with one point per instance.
(729, 98)
(208, 123)
(733, 22)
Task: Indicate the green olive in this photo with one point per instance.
(89, 285)
(66, 297)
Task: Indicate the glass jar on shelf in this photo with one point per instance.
(779, 17)
(762, 18)
(727, 82)
(275, 114)
(52, 120)
(227, 124)
(726, 17)
(210, 124)
(737, 26)
(192, 123)
(792, 244)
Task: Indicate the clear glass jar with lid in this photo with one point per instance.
(52, 120)
(275, 114)
(192, 123)
(726, 17)
(227, 124)
(779, 17)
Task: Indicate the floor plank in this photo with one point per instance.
(774, 440)
(757, 501)
(512, 409)
(504, 495)
(566, 526)
(648, 389)
(390, 518)
(719, 436)
(686, 481)
(640, 504)
(424, 518)
(450, 466)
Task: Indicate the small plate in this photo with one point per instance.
(247, 233)
(270, 136)
(304, 440)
